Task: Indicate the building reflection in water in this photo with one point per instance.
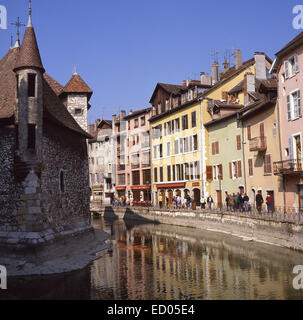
(160, 262)
(170, 263)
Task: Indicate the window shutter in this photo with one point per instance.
(239, 169)
(286, 67)
(296, 63)
(249, 132)
(291, 148)
(230, 170)
(209, 173)
(238, 142)
(262, 132)
(213, 148)
(217, 147)
(299, 103)
(236, 170)
(288, 108)
(220, 172)
(250, 166)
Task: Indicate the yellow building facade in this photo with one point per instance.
(176, 154)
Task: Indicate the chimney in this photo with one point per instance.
(249, 86)
(114, 118)
(238, 58)
(205, 79)
(260, 66)
(215, 72)
(122, 114)
(225, 66)
(184, 84)
(131, 111)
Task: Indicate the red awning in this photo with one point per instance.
(120, 188)
(140, 187)
(171, 185)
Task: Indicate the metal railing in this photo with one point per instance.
(257, 144)
(278, 214)
(121, 167)
(288, 166)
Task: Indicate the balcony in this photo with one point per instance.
(135, 166)
(121, 167)
(258, 144)
(288, 167)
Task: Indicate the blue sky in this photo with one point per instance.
(123, 48)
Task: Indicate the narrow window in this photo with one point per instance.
(31, 85)
(61, 181)
(194, 119)
(31, 142)
(17, 86)
(155, 175)
(78, 111)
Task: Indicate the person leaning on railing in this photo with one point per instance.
(259, 201)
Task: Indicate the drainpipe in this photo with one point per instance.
(243, 152)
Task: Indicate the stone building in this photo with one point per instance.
(44, 184)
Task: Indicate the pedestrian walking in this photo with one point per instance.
(210, 202)
(160, 199)
(246, 202)
(203, 202)
(179, 202)
(259, 201)
(227, 199)
(188, 201)
(241, 202)
(269, 202)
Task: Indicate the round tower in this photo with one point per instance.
(29, 96)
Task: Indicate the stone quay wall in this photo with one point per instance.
(270, 230)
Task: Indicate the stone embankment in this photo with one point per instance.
(275, 229)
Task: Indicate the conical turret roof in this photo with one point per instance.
(29, 55)
(77, 85)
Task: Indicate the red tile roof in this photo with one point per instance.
(29, 52)
(56, 86)
(77, 85)
(8, 83)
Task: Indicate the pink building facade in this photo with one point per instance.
(288, 67)
(133, 173)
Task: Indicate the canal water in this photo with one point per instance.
(161, 262)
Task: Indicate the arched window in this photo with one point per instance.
(61, 181)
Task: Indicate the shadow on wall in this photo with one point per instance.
(109, 213)
(131, 215)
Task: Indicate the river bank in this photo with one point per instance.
(279, 230)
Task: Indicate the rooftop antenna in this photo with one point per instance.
(215, 55)
(30, 14)
(18, 25)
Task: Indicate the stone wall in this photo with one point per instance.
(78, 101)
(9, 191)
(64, 151)
(273, 231)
